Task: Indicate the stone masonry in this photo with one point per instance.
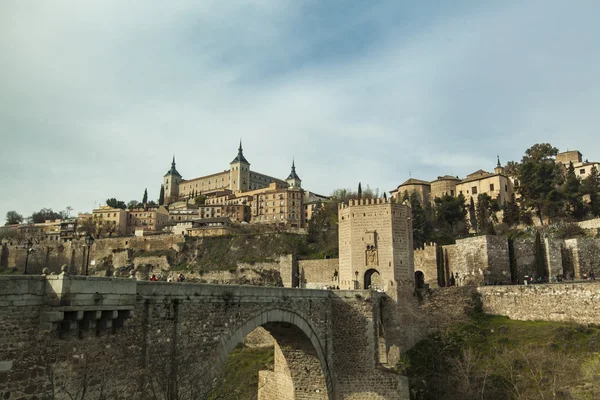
(376, 247)
(61, 334)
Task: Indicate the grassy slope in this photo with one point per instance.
(240, 378)
(493, 357)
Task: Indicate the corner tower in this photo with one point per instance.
(171, 182)
(293, 180)
(376, 246)
(239, 172)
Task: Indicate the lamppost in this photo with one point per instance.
(29, 250)
(89, 241)
(356, 280)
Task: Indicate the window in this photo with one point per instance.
(460, 192)
(452, 193)
(491, 187)
(506, 188)
(582, 171)
(474, 190)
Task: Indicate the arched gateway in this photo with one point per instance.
(305, 366)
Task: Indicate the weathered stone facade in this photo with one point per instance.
(426, 262)
(376, 246)
(317, 274)
(566, 302)
(478, 260)
(63, 333)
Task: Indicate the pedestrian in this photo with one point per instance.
(170, 279)
(181, 278)
(153, 279)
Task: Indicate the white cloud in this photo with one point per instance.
(100, 94)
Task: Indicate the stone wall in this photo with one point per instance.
(524, 257)
(583, 255)
(590, 224)
(168, 338)
(117, 251)
(478, 260)
(426, 262)
(567, 302)
(317, 274)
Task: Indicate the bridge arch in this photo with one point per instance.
(275, 321)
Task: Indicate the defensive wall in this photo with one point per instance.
(121, 338)
(562, 302)
(494, 260)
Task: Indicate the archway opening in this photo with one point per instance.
(291, 360)
(373, 280)
(419, 280)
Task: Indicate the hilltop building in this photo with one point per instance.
(582, 168)
(238, 178)
(239, 193)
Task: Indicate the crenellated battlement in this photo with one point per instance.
(364, 202)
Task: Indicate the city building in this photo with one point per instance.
(110, 221)
(582, 168)
(311, 203)
(149, 218)
(497, 185)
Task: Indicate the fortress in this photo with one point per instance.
(63, 333)
(237, 179)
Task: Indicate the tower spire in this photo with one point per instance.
(499, 165)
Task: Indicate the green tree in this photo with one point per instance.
(472, 215)
(591, 187)
(114, 203)
(450, 215)
(572, 193)
(43, 215)
(199, 200)
(359, 191)
(540, 263)
(132, 204)
(145, 198)
(323, 230)
(539, 180)
(161, 196)
(486, 213)
(421, 224)
(13, 218)
(511, 213)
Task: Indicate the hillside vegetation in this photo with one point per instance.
(493, 357)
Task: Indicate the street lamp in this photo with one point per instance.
(89, 241)
(356, 280)
(29, 250)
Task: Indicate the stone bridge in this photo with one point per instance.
(108, 338)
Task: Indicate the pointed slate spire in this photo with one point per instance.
(293, 174)
(240, 156)
(498, 165)
(173, 170)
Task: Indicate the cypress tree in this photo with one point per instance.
(145, 198)
(161, 197)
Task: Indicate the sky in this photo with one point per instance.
(96, 97)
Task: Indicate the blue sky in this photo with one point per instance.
(97, 96)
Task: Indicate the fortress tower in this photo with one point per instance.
(293, 180)
(376, 246)
(171, 182)
(239, 172)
